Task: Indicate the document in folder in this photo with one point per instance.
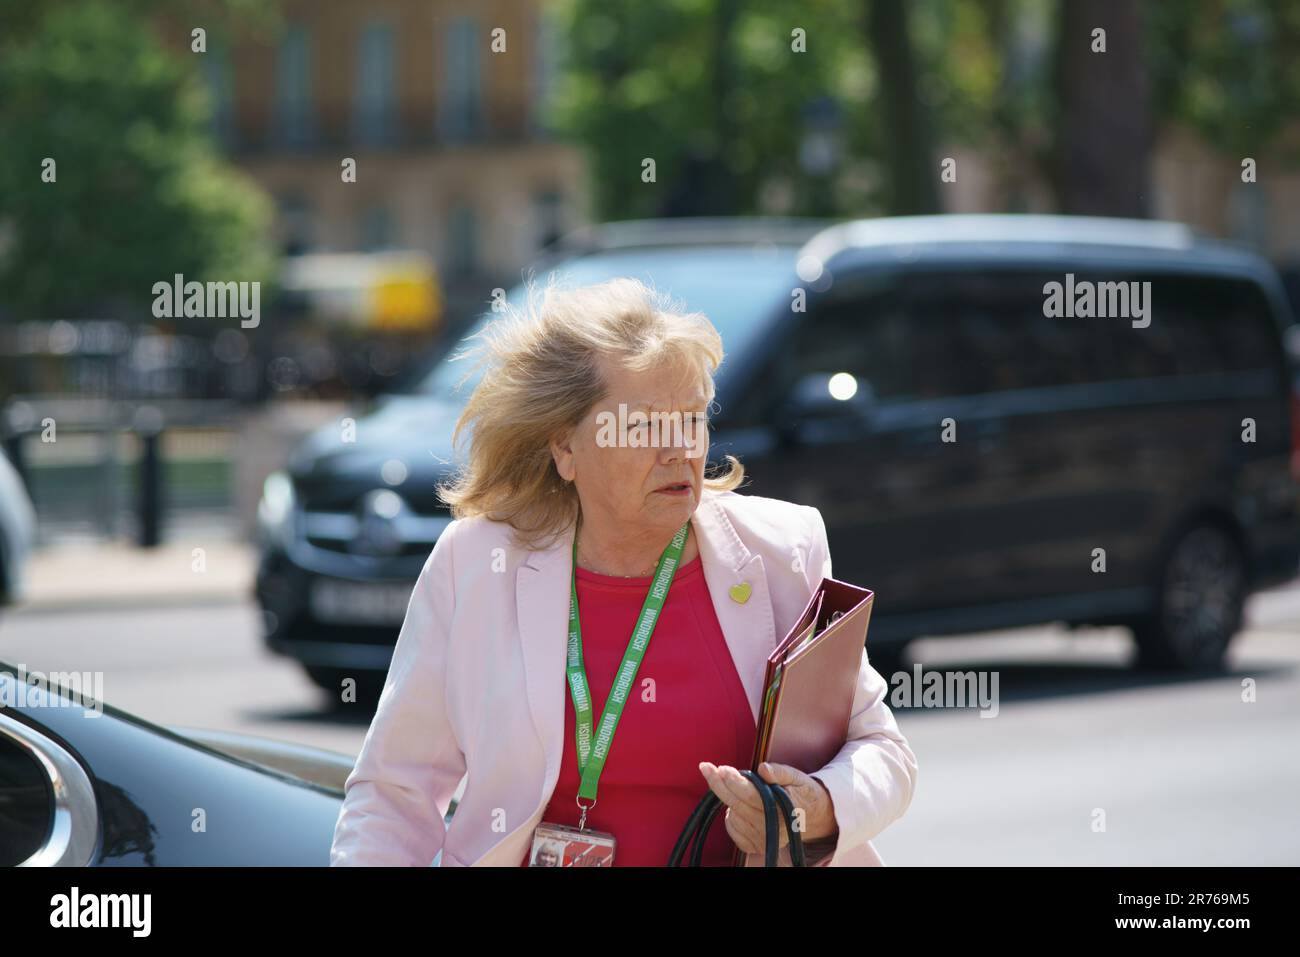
(801, 632)
(811, 678)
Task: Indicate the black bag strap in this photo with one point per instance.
(787, 811)
(775, 801)
(697, 850)
(690, 828)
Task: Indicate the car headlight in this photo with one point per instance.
(275, 510)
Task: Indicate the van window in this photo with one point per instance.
(1193, 325)
(926, 335)
(930, 335)
(1205, 325)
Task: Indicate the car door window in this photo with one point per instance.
(928, 335)
(26, 805)
(1196, 325)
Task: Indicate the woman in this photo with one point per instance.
(583, 519)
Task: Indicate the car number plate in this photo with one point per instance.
(359, 603)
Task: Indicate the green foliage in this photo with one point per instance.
(141, 193)
(985, 68)
(677, 77)
(644, 80)
(661, 80)
(1230, 69)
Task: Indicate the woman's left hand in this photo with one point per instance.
(744, 816)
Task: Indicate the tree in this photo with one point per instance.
(909, 157)
(715, 92)
(1227, 69)
(1104, 130)
(109, 180)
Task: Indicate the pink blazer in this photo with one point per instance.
(477, 685)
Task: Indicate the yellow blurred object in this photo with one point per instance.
(395, 291)
(405, 299)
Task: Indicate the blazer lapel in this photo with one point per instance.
(542, 605)
(749, 625)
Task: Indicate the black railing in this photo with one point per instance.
(98, 466)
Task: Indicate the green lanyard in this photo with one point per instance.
(592, 755)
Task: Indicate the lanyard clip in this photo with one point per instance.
(582, 818)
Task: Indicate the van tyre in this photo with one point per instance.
(1199, 599)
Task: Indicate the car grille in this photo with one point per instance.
(338, 532)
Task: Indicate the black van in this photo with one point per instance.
(1005, 420)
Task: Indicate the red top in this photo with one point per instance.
(699, 712)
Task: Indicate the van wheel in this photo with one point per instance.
(1201, 594)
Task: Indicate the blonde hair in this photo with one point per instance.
(542, 376)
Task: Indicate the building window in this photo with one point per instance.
(217, 78)
(548, 53)
(376, 229)
(293, 119)
(375, 120)
(296, 224)
(460, 109)
(462, 242)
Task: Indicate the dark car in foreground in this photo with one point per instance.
(85, 784)
(989, 447)
(17, 530)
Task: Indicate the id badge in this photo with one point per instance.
(558, 845)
